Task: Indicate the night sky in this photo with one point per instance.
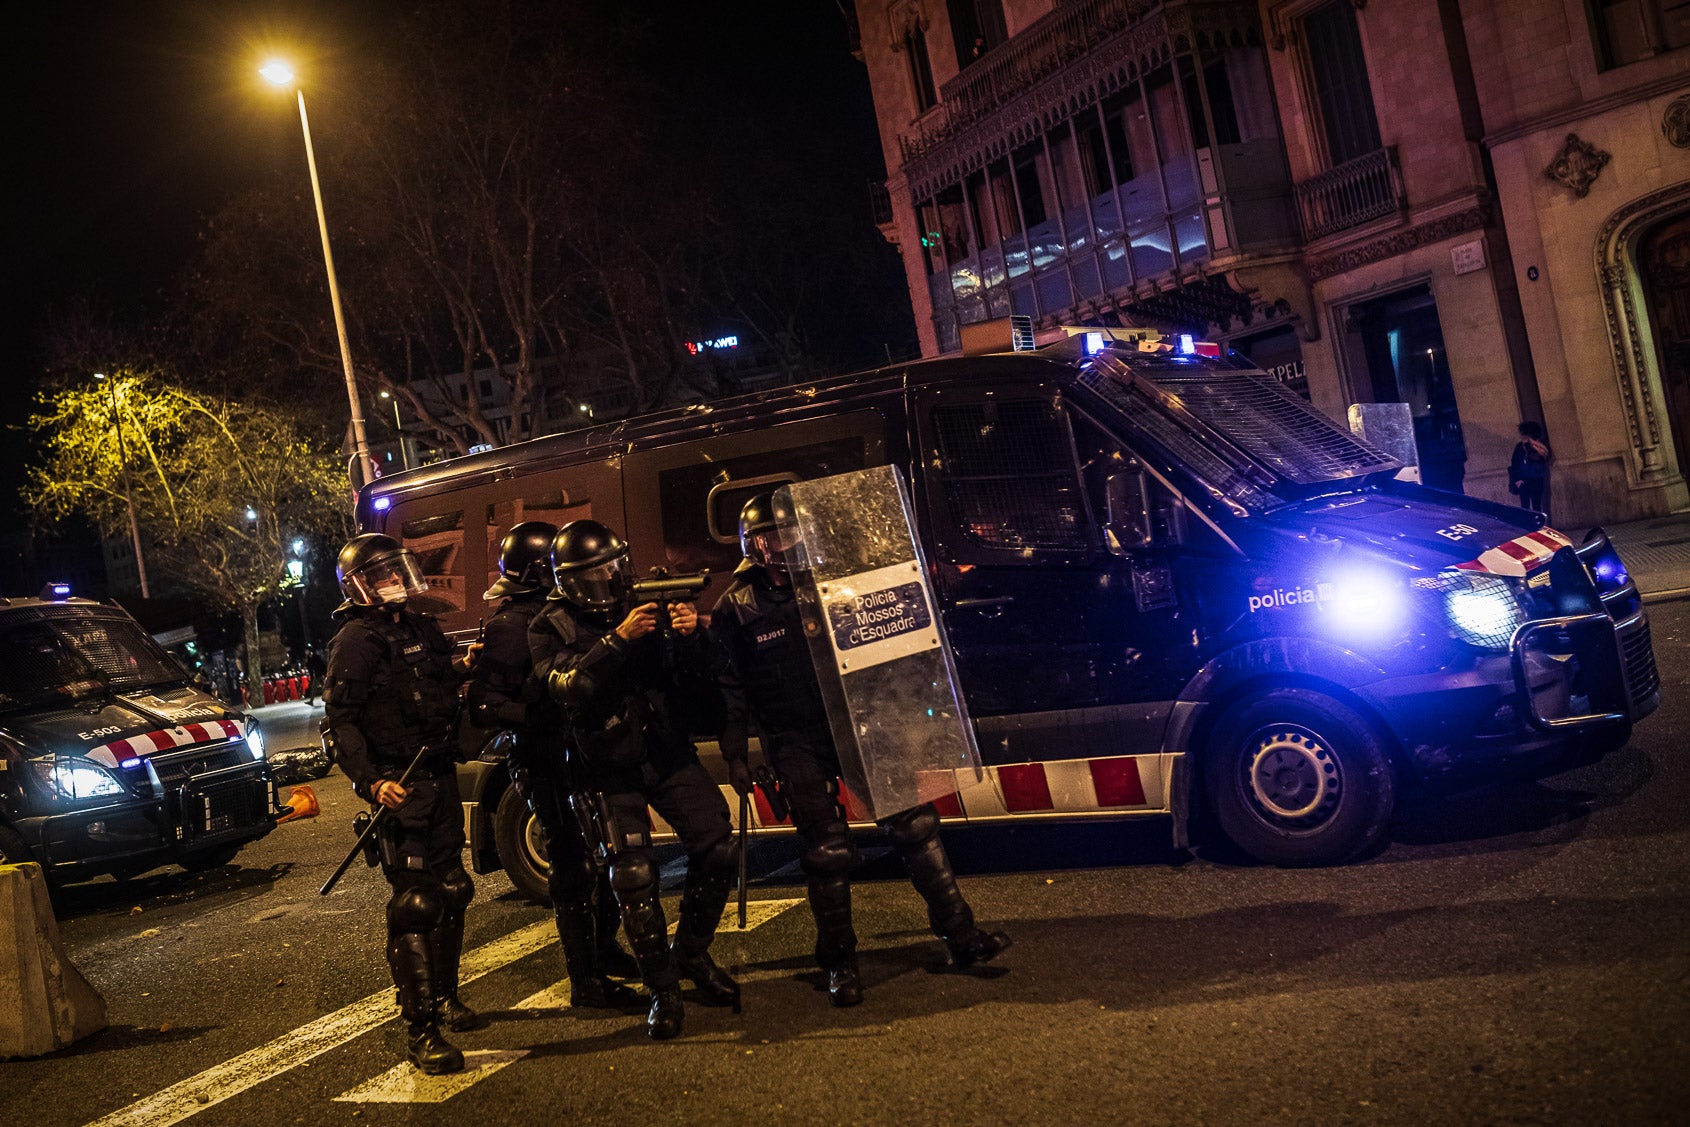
(134, 119)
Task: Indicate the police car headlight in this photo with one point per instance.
(1482, 610)
(77, 778)
(255, 741)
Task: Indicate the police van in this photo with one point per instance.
(111, 760)
(1170, 585)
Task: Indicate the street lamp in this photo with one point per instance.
(398, 429)
(296, 571)
(128, 495)
(278, 73)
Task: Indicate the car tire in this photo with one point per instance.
(204, 860)
(521, 844)
(1298, 778)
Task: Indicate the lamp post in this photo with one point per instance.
(128, 495)
(278, 73)
(296, 571)
(398, 429)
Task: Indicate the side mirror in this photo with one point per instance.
(1128, 495)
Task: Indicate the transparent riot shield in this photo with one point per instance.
(877, 640)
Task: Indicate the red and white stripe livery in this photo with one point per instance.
(130, 747)
(1520, 554)
(1121, 784)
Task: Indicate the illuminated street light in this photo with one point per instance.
(279, 74)
(128, 496)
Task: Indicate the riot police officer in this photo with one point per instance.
(771, 680)
(629, 689)
(504, 694)
(390, 697)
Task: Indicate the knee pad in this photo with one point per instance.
(632, 872)
(414, 908)
(456, 891)
(828, 852)
(913, 828)
(720, 858)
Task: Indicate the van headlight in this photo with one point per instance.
(255, 741)
(75, 778)
(1481, 610)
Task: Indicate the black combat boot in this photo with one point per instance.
(948, 913)
(446, 948)
(715, 986)
(702, 901)
(845, 983)
(426, 1047)
(588, 987)
(667, 1011)
(429, 1050)
(836, 940)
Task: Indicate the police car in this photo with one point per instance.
(111, 761)
(1170, 585)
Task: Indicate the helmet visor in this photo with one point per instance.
(597, 588)
(768, 547)
(386, 580)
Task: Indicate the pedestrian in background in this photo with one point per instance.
(1528, 471)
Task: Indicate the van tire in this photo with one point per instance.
(521, 844)
(1297, 778)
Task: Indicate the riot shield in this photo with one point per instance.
(876, 638)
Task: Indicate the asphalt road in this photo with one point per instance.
(1516, 954)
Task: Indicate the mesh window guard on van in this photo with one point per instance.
(1009, 475)
(1240, 431)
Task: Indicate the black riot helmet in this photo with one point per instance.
(590, 566)
(760, 539)
(525, 565)
(376, 570)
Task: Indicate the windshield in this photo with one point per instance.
(1252, 440)
(71, 653)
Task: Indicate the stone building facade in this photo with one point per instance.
(1474, 206)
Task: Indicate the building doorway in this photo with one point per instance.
(1402, 344)
(1663, 262)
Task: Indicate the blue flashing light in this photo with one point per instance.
(134, 761)
(382, 504)
(1187, 346)
(481, 448)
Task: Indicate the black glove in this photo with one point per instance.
(739, 776)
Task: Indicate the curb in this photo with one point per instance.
(1672, 594)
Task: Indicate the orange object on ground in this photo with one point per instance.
(304, 802)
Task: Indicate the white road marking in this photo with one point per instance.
(757, 913)
(254, 1067)
(232, 1077)
(403, 1084)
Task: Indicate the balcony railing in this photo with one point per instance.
(1012, 68)
(1356, 192)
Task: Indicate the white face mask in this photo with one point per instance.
(391, 593)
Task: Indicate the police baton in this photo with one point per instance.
(381, 812)
(744, 828)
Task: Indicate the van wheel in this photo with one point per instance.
(1298, 778)
(521, 842)
(204, 860)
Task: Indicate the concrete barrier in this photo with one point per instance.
(57, 1006)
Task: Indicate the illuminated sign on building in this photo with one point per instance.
(695, 347)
